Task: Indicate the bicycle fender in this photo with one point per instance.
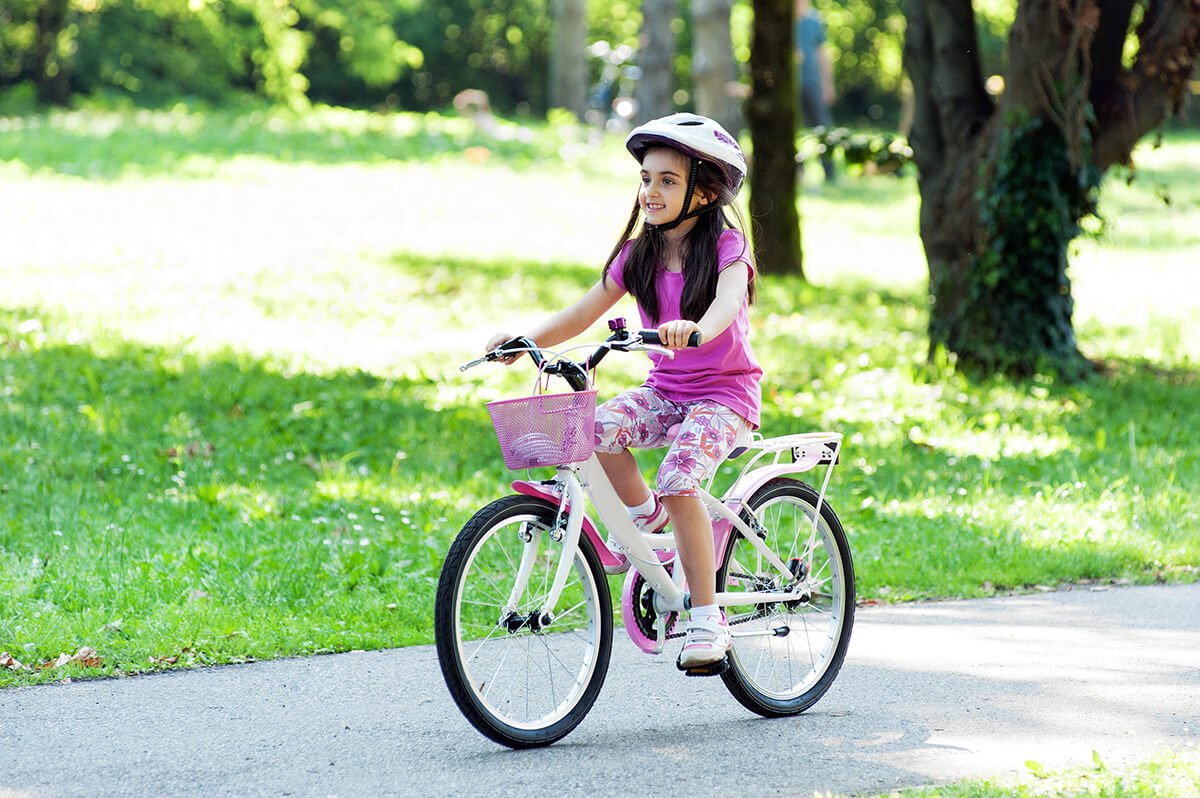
(743, 489)
(539, 491)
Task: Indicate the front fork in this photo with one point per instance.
(570, 504)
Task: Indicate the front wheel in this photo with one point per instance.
(786, 655)
(520, 679)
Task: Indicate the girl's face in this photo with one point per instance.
(664, 184)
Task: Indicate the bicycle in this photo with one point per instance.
(523, 615)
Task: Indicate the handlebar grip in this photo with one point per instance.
(651, 337)
(517, 346)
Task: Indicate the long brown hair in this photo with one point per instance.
(698, 251)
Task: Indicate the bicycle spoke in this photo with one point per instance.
(784, 650)
(521, 675)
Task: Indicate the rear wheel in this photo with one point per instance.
(521, 679)
(786, 655)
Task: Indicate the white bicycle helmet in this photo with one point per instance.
(696, 136)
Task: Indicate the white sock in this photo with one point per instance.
(709, 612)
(645, 508)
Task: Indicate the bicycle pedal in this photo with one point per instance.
(707, 669)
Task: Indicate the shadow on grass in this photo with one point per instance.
(952, 487)
(150, 486)
(450, 288)
(156, 504)
(243, 420)
(109, 144)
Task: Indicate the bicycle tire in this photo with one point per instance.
(786, 656)
(519, 683)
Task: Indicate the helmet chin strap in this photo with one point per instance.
(684, 214)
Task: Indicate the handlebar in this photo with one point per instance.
(574, 373)
(651, 337)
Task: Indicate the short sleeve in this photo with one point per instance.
(732, 248)
(616, 269)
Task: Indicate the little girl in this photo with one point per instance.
(690, 271)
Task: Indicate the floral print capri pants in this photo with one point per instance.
(704, 433)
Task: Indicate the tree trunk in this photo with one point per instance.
(713, 70)
(656, 87)
(771, 117)
(568, 64)
(951, 112)
(1004, 186)
(1138, 99)
(53, 79)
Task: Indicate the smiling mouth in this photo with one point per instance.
(655, 207)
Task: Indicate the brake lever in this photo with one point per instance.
(660, 350)
(634, 345)
(476, 362)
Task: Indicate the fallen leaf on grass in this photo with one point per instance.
(85, 657)
(12, 663)
(185, 657)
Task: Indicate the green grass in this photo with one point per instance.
(189, 142)
(235, 427)
(1172, 773)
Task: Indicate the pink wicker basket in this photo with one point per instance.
(546, 429)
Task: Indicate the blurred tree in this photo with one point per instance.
(501, 47)
(353, 53)
(52, 52)
(568, 64)
(160, 50)
(771, 116)
(656, 52)
(418, 54)
(713, 70)
(864, 40)
(1004, 183)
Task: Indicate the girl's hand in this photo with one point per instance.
(675, 334)
(495, 341)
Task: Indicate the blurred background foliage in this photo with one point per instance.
(398, 54)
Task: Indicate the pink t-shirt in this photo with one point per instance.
(723, 369)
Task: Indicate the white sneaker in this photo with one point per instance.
(652, 522)
(708, 641)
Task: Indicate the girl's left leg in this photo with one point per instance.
(694, 539)
(708, 433)
(638, 418)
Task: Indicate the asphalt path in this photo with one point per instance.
(930, 693)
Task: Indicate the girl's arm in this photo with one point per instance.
(731, 295)
(571, 320)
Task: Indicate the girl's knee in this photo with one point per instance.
(676, 483)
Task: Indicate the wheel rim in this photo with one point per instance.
(528, 678)
(781, 664)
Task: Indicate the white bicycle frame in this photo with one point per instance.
(572, 482)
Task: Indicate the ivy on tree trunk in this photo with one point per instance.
(1004, 183)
